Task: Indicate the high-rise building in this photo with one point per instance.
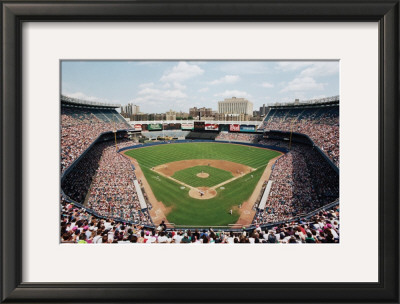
(263, 110)
(231, 117)
(130, 109)
(235, 106)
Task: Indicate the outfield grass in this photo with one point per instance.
(190, 211)
(152, 156)
(189, 176)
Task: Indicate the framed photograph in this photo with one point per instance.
(200, 152)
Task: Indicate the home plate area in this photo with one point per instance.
(202, 193)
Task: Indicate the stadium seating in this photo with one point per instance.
(239, 137)
(80, 226)
(103, 182)
(302, 182)
(170, 133)
(100, 204)
(319, 122)
(80, 126)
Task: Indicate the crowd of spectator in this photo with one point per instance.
(125, 144)
(239, 137)
(321, 124)
(302, 182)
(274, 142)
(103, 181)
(81, 126)
(81, 227)
(112, 192)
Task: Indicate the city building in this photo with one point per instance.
(204, 112)
(130, 109)
(235, 106)
(182, 115)
(170, 115)
(263, 110)
(232, 117)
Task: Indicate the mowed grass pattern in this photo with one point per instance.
(189, 176)
(190, 211)
(152, 156)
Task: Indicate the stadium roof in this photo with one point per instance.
(76, 101)
(333, 100)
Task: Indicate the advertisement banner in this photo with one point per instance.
(152, 127)
(199, 125)
(234, 128)
(138, 127)
(187, 126)
(247, 128)
(222, 127)
(212, 127)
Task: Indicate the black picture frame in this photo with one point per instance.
(15, 13)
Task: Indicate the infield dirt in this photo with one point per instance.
(170, 168)
(159, 211)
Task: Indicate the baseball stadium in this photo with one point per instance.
(196, 181)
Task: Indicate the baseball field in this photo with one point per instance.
(199, 183)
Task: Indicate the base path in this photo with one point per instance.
(236, 169)
(167, 170)
(158, 211)
(246, 211)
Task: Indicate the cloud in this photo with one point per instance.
(320, 69)
(153, 100)
(225, 80)
(179, 86)
(181, 72)
(203, 90)
(157, 94)
(244, 67)
(83, 96)
(146, 85)
(312, 69)
(292, 65)
(318, 96)
(233, 93)
(267, 85)
(301, 84)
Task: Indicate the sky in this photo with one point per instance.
(158, 86)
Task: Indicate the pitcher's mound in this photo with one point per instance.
(202, 175)
(202, 193)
